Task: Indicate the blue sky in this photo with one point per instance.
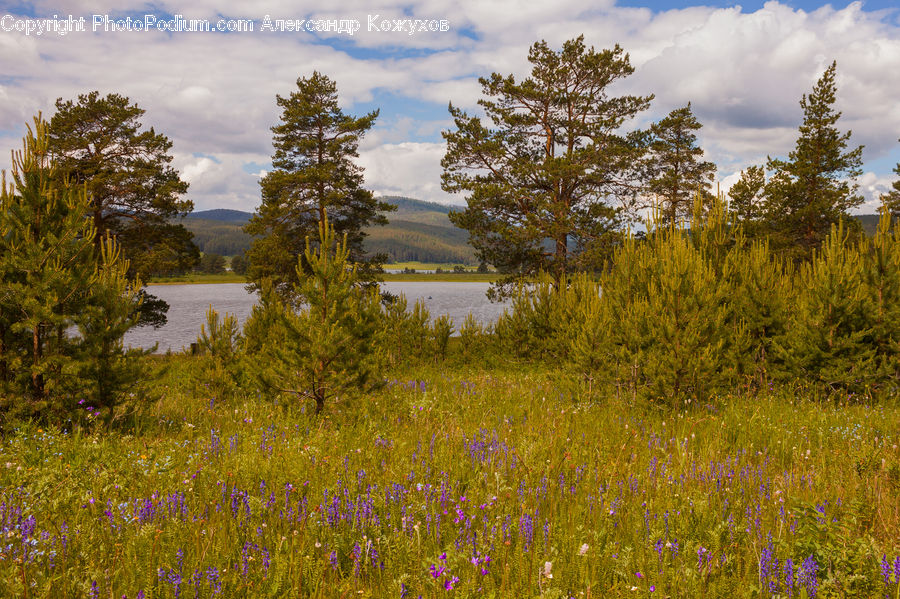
(213, 94)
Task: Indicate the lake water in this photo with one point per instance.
(188, 305)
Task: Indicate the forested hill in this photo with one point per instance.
(418, 231)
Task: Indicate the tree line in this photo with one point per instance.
(553, 185)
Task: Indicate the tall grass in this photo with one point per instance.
(467, 483)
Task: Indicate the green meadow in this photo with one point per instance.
(454, 482)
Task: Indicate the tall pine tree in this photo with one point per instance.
(314, 179)
(679, 171)
(547, 179)
(133, 190)
(815, 187)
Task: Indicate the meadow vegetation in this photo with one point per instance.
(553, 455)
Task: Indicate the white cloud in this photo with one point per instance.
(406, 169)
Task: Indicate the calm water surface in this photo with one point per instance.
(188, 305)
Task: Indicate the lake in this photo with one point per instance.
(188, 305)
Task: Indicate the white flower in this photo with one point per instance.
(584, 549)
(547, 567)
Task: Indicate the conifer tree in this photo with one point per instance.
(815, 187)
(830, 337)
(679, 172)
(51, 280)
(46, 272)
(747, 197)
(891, 199)
(314, 179)
(670, 313)
(881, 275)
(107, 370)
(327, 348)
(549, 172)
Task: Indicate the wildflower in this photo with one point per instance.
(584, 549)
(448, 584)
(886, 570)
(808, 576)
(437, 572)
(548, 566)
(638, 574)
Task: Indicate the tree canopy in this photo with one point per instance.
(814, 188)
(679, 173)
(99, 142)
(314, 179)
(547, 180)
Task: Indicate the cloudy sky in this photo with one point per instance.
(743, 68)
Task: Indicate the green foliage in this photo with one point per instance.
(404, 336)
(314, 180)
(46, 271)
(327, 348)
(675, 160)
(472, 338)
(50, 281)
(211, 264)
(220, 345)
(547, 179)
(441, 329)
(98, 142)
(747, 196)
(239, 264)
(815, 187)
(829, 339)
(109, 372)
(671, 319)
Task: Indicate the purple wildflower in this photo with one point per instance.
(808, 576)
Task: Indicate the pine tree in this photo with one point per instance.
(881, 274)
(47, 269)
(830, 337)
(108, 371)
(747, 197)
(891, 199)
(815, 187)
(679, 172)
(50, 281)
(548, 180)
(134, 193)
(671, 316)
(327, 348)
(314, 179)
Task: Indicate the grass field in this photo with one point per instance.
(452, 482)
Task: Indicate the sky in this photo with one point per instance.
(743, 67)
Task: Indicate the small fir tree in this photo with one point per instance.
(830, 337)
(47, 270)
(327, 348)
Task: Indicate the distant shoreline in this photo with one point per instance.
(469, 277)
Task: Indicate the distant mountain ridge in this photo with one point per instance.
(418, 231)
